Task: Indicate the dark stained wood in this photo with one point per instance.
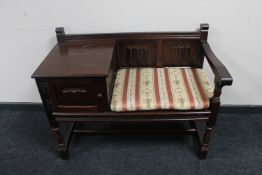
(149, 116)
(204, 32)
(222, 75)
(77, 59)
(110, 79)
(132, 131)
(159, 53)
(78, 94)
(138, 35)
(137, 53)
(181, 53)
(60, 34)
(76, 79)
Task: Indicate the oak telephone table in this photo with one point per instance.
(131, 78)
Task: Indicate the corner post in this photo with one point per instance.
(60, 34)
(214, 107)
(45, 94)
(204, 31)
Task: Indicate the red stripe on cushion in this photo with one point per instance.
(158, 104)
(137, 89)
(200, 89)
(124, 106)
(191, 98)
(168, 88)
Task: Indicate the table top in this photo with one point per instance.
(77, 59)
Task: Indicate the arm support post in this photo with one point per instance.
(222, 78)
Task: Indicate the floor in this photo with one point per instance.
(27, 146)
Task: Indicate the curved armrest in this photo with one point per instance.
(222, 76)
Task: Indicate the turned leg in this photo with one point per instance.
(204, 145)
(214, 107)
(206, 138)
(62, 146)
(46, 96)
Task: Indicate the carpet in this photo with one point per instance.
(27, 146)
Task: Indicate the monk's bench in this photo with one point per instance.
(132, 78)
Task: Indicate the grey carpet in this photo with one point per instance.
(27, 146)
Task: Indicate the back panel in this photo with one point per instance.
(151, 49)
(181, 53)
(160, 53)
(137, 53)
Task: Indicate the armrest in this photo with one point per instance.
(222, 76)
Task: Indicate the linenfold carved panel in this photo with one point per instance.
(167, 52)
(180, 53)
(137, 53)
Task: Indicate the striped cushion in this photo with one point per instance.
(169, 88)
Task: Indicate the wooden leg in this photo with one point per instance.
(214, 106)
(62, 147)
(204, 146)
(46, 96)
(196, 136)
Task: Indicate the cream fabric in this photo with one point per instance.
(169, 88)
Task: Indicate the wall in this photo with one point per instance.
(27, 34)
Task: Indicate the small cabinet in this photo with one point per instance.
(75, 94)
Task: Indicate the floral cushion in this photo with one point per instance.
(169, 88)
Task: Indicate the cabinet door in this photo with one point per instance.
(78, 95)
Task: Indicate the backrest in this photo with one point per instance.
(160, 52)
(162, 49)
(151, 49)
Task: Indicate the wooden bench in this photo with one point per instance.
(131, 78)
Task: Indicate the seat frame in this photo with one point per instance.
(145, 50)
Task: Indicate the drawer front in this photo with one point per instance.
(83, 95)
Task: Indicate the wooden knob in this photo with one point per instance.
(99, 95)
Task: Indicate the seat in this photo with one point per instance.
(167, 88)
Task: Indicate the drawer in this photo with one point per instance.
(83, 95)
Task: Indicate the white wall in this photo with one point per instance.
(27, 34)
